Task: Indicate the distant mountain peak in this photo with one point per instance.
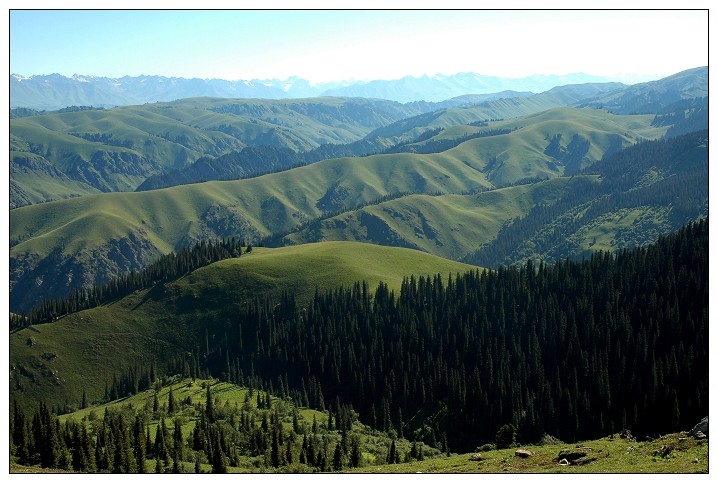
(51, 92)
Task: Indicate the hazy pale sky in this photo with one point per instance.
(320, 45)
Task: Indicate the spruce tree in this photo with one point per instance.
(209, 406)
(275, 461)
(139, 448)
(355, 457)
(178, 441)
(392, 456)
(288, 456)
(337, 461)
(218, 460)
(20, 433)
(171, 406)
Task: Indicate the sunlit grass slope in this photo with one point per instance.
(281, 201)
(300, 269)
(271, 203)
(450, 226)
(56, 361)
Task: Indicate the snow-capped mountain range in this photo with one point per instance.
(55, 91)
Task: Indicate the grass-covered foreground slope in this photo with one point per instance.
(55, 362)
(671, 453)
(257, 431)
(369, 449)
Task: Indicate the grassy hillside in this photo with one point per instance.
(34, 180)
(654, 96)
(501, 109)
(609, 455)
(277, 202)
(446, 225)
(647, 190)
(247, 416)
(268, 203)
(672, 453)
(549, 143)
(56, 361)
(117, 149)
(126, 230)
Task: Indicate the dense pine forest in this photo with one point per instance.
(576, 349)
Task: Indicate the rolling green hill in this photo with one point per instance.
(625, 200)
(68, 243)
(34, 180)
(445, 225)
(117, 149)
(647, 190)
(56, 361)
(653, 96)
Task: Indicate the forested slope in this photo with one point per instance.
(576, 349)
(647, 190)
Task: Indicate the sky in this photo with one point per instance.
(321, 46)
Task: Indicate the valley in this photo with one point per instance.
(402, 278)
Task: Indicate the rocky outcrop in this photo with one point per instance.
(571, 455)
(523, 453)
(700, 430)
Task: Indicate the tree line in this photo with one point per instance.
(166, 267)
(431, 146)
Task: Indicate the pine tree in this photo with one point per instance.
(295, 421)
(337, 461)
(87, 450)
(392, 456)
(46, 439)
(20, 433)
(139, 448)
(218, 460)
(178, 441)
(275, 450)
(171, 406)
(355, 459)
(160, 449)
(288, 456)
(209, 406)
